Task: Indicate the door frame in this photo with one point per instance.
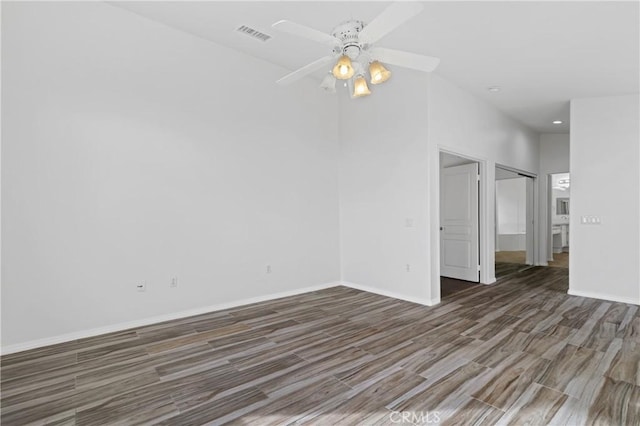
(486, 214)
(471, 176)
(487, 266)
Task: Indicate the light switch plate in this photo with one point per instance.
(590, 220)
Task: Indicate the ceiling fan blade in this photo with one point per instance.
(390, 19)
(405, 59)
(304, 71)
(305, 32)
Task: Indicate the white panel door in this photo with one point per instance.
(459, 234)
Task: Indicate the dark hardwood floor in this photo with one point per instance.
(517, 256)
(560, 260)
(503, 270)
(518, 352)
(510, 262)
(450, 286)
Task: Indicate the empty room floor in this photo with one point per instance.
(560, 260)
(517, 256)
(449, 286)
(519, 351)
(509, 262)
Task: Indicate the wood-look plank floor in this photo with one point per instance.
(518, 352)
(449, 286)
(503, 269)
(560, 260)
(510, 262)
(518, 256)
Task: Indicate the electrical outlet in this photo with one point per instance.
(141, 286)
(408, 267)
(268, 269)
(174, 282)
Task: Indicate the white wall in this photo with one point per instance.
(131, 151)
(389, 173)
(605, 163)
(511, 214)
(511, 201)
(142, 153)
(554, 158)
(383, 182)
(463, 124)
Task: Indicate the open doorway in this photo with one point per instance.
(514, 247)
(560, 193)
(459, 223)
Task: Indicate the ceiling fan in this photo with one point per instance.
(353, 51)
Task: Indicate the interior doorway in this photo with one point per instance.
(459, 223)
(559, 210)
(514, 220)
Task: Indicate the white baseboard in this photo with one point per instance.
(603, 296)
(33, 344)
(207, 309)
(425, 302)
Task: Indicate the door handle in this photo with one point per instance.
(442, 228)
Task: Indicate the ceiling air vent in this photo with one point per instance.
(253, 33)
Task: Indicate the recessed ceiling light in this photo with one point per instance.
(557, 122)
(494, 89)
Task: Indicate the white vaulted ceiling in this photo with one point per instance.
(541, 54)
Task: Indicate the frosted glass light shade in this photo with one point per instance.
(343, 69)
(329, 83)
(360, 87)
(379, 74)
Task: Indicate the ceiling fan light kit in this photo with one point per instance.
(352, 43)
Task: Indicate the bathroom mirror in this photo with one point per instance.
(562, 206)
